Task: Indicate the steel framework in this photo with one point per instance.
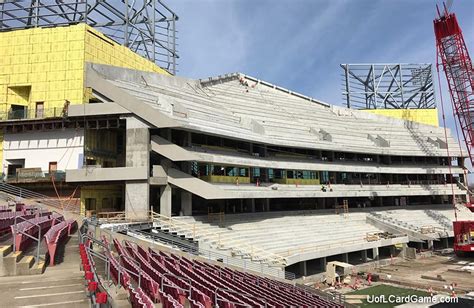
(147, 27)
(452, 52)
(388, 86)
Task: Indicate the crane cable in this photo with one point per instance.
(446, 139)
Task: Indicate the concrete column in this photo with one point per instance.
(303, 269)
(267, 205)
(242, 205)
(252, 205)
(364, 255)
(186, 203)
(136, 199)
(137, 154)
(323, 264)
(430, 244)
(165, 200)
(345, 257)
(375, 253)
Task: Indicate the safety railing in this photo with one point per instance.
(205, 234)
(16, 230)
(25, 194)
(39, 176)
(23, 114)
(193, 250)
(199, 233)
(92, 253)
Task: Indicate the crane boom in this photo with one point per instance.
(457, 66)
(454, 56)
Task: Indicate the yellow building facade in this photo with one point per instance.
(43, 69)
(424, 116)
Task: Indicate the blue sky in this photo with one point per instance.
(299, 44)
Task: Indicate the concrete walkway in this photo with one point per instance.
(60, 286)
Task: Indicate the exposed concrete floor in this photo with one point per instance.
(60, 286)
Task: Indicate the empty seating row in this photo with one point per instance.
(7, 219)
(25, 231)
(177, 281)
(56, 234)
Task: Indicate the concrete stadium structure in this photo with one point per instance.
(244, 168)
(237, 145)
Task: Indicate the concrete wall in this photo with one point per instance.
(136, 199)
(39, 148)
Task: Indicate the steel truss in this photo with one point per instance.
(388, 86)
(148, 27)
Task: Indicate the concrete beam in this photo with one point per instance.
(170, 150)
(85, 110)
(95, 174)
(273, 162)
(153, 116)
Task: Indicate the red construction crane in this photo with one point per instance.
(452, 52)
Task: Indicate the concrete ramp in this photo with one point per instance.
(170, 150)
(195, 185)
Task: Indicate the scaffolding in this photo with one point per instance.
(147, 27)
(388, 86)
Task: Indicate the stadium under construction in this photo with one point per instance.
(190, 190)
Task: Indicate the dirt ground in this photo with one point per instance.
(437, 272)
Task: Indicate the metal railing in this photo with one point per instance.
(24, 114)
(25, 194)
(204, 234)
(16, 230)
(193, 250)
(38, 176)
(199, 233)
(102, 257)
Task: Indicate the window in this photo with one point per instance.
(17, 112)
(325, 176)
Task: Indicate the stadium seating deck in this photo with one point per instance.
(264, 113)
(31, 227)
(154, 276)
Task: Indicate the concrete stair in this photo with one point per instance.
(19, 264)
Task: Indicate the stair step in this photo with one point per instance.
(28, 260)
(5, 250)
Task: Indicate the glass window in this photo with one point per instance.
(279, 174)
(203, 170)
(243, 172)
(325, 176)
